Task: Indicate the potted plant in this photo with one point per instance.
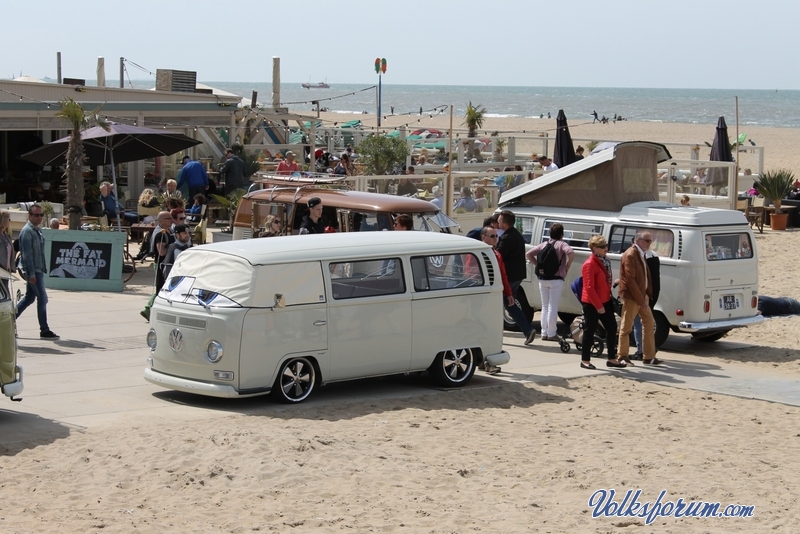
(775, 186)
(231, 204)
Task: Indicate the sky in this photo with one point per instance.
(697, 44)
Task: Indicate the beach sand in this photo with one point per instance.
(504, 458)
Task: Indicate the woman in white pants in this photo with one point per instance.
(551, 276)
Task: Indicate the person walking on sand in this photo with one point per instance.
(654, 264)
(31, 248)
(596, 302)
(635, 289)
(552, 259)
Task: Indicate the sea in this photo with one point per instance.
(776, 108)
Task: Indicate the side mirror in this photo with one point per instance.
(280, 300)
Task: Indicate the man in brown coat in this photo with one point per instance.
(635, 289)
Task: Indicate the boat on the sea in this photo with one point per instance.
(319, 85)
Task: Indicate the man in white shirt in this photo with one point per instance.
(547, 164)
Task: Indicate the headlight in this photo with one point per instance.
(152, 339)
(214, 351)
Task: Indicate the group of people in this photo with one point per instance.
(639, 286)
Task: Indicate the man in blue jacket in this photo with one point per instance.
(194, 175)
(31, 248)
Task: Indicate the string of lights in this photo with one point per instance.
(316, 100)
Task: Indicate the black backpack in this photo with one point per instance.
(547, 262)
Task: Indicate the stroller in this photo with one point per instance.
(578, 325)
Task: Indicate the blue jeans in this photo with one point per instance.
(637, 334)
(35, 292)
(516, 312)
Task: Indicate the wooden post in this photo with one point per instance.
(448, 179)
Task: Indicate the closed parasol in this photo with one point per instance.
(564, 152)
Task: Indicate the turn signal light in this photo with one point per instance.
(706, 307)
(679, 313)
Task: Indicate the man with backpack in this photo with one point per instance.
(551, 260)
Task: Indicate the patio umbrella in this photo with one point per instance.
(120, 144)
(720, 151)
(564, 152)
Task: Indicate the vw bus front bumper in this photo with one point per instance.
(14, 389)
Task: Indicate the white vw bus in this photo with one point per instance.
(284, 315)
(709, 262)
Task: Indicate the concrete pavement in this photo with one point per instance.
(93, 374)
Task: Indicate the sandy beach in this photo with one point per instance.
(780, 144)
(509, 457)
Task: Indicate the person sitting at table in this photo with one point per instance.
(193, 215)
(148, 199)
(406, 188)
(111, 207)
(171, 203)
(466, 202)
(54, 224)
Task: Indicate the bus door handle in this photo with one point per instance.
(320, 323)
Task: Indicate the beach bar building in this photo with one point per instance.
(28, 120)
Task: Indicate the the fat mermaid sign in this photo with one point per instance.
(80, 260)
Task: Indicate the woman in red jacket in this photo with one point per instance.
(596, 300)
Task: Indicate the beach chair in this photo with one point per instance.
(755, 214)
(144, 212)
(742, 205)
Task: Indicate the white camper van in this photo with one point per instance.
(288, 314)
(709, 261)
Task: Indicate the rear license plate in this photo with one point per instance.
(729, 302)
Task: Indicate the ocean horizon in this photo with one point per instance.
(772, 108)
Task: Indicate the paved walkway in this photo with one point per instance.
(93, 374)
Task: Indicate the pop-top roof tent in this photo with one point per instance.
(610, 178)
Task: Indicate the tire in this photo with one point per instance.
(662, 328)
(597, 347)
(709, 338)
(296, 380)
(522, 302)
(453, 368)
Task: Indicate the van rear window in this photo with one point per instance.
(728, 246)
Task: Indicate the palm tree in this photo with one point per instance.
(473, 119)
(74, 114)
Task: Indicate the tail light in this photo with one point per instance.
(706, 306)
(754, 302)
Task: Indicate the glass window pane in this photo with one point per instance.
(371, 278)
(728, 246)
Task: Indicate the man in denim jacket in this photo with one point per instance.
(31, 248)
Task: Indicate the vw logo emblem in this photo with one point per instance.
(176, 340)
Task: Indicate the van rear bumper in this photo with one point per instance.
(194, 386)
(501, 358)
(688, 326)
